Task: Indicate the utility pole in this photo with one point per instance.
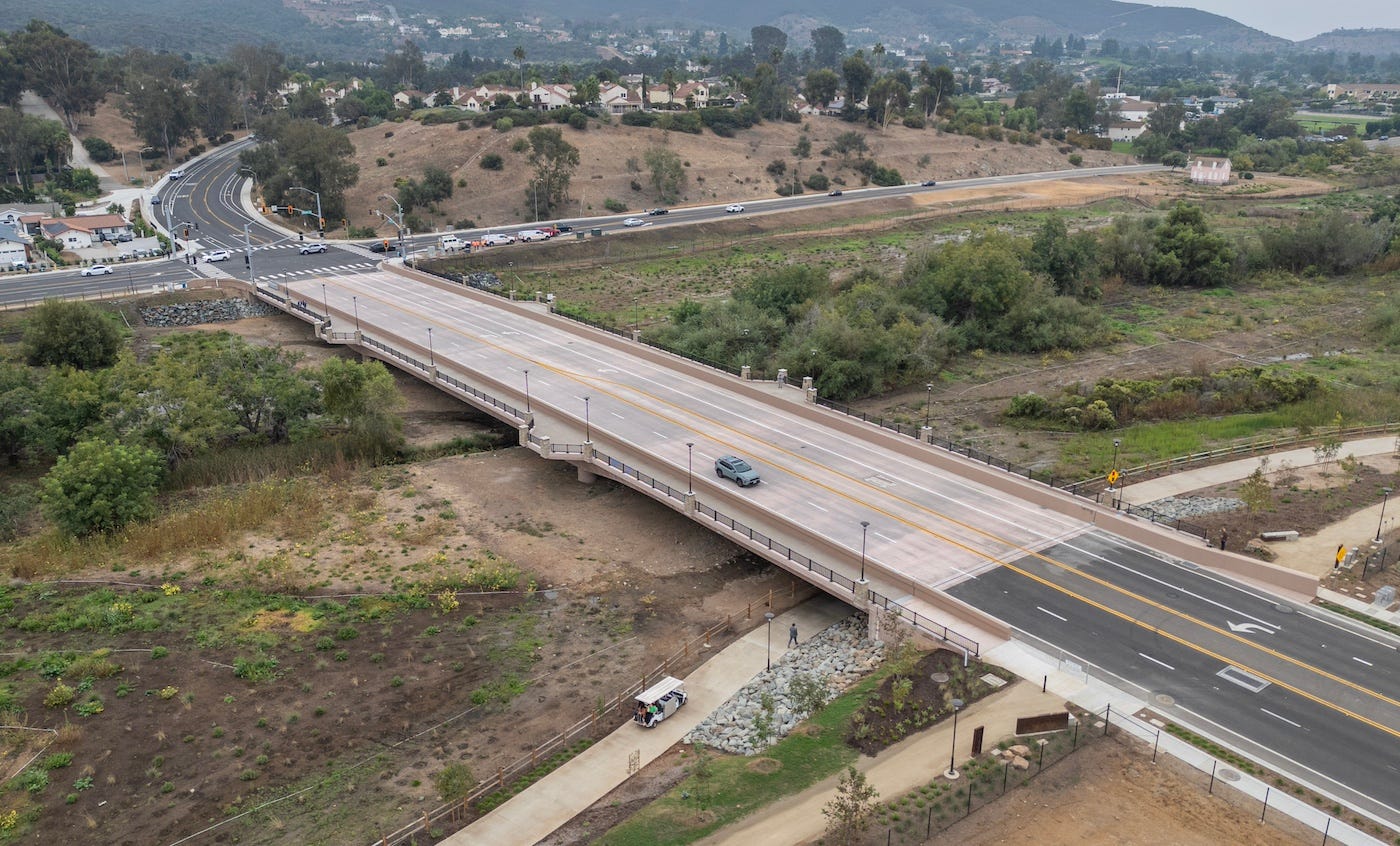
(248, 255)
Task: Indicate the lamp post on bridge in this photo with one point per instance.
(432, 362)
(928, 406)
(690, 468)
(527, 390)
(864, 527)
(355, 304)
(587, 424)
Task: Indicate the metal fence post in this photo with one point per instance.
(1211, 789)
(1265, 809)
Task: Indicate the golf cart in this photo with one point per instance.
(659, 701)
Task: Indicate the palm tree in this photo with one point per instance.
(519, 54)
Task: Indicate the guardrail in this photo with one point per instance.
(924, 623)
(626, 470)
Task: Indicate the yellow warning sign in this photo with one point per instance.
(1341, 553)
(1114, 476)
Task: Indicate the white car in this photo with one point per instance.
(96, 270)
(216, 255)
(177, 173)
(528, 235)
(496, 239)
(634, 221)
(733, 208)
(313, 247)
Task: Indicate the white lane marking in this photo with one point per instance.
(1053, 614)
(883, 536)
(1155, 661)
(1277, 717)
(1362, 661)
(659, 435)
(818, 507)
(618, 416)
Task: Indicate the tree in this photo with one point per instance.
(454, 782)
(1080, 111)
(857, 73)
(1174, 159)
(766, 93)
(161, 111)
(62, 69)
(586, 92)
(668, 174)
(519, 55)
(828, 46)
(1068, 261)
(554, 160)
(404, 68)
(821, 86)
(215, 99)
(939, 85)
(889, 97)
(71, 334)
(1256, 491)
(850, 812)
(100, 487)
(364, 398)
(261, 72)
(20, 419)
(1187, 253)
(305, 154)
(768, 42)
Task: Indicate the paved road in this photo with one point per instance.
(1298, 686)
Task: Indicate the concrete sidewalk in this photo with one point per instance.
(557, 798)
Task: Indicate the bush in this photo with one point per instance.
(492, 161)
(638, 119)
(614, 206)
(100, 149)
(101, 487)
(71, 334)
(817, 182)
(1076, 159)
(504, 124)
(454, 782)
(579, 121)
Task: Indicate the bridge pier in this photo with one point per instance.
(523, 430)
(586, 475)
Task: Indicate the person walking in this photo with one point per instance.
(792, 635)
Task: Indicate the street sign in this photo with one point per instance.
(1114, 476)
(1341, 554)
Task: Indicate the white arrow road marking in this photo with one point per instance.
(1251, 628)
(1052, 614)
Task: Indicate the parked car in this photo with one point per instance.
(528, 235)
(551, 231)
(124, 237)
(633, 221)
(311, 247)
(835, 193)
(733, 208)
(496, 239)
(928, 183)
(96, 270)
(737, 469)
(216, 255)
(177, 173)
(655, 212)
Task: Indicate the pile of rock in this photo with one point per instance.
(1019, 756)
(205, 311)
(1184, 507)
(838, 656)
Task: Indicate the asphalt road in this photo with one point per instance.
(1307, 693)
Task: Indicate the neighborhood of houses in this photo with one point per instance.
(92, 238)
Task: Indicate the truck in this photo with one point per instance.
(451, 242)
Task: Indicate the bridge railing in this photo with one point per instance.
(481, 395)
(924, 623)
(393, 353)
(627, 470)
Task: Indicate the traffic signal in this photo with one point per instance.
(291, 209)
(343, 223)
(386, 243)
(187, 233)
(323, 223)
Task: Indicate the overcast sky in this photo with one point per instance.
(1299, 19)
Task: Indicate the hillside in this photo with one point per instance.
(1374, 42)
(719, 170)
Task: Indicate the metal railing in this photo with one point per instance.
(627, 470)
(924, 623)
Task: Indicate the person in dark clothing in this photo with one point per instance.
(1223, 536)
(792, 635)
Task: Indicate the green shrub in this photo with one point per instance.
(492, 161)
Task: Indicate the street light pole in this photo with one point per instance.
(1385, 496)
(527, 390)
(636, 315)
(355, 304)
(431, 361)
(928, 405)
(953, 750)
(325, 301)
(690, 467)
(769, 617)
(864, 527)
(587, 425)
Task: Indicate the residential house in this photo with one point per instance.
(1363, 91)
(1210, 171)
(619, 99)
(80, 232)
(550, 97)
(693, 94)
(14, 250)
(404, 98)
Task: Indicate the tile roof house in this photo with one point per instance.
(403, 98)
(85, 230)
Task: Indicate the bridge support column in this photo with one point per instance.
(586, 475)
(432, 373)
(523, 433)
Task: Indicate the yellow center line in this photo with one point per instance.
(597, 382)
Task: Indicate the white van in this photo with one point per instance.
(451, 242)
(659, 701)
(532, 235)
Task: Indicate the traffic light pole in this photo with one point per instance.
(320, 221)
(248, 255)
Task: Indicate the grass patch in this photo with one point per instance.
(1359, 616)
(736, 790)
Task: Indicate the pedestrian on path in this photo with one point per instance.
(1223, 536)
(792, 635)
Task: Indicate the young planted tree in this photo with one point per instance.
(850, 812)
